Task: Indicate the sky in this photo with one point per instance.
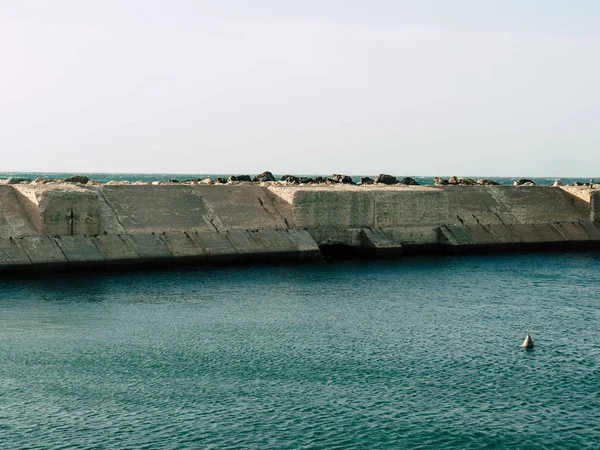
(428, 87)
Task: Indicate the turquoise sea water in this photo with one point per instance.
(417, 353)
(106, 177)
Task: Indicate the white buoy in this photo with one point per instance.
(528, 342)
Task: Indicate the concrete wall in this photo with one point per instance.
(507, 204)
(44, 227)
(14, 220)
(595, 207)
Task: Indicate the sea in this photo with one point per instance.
(132, 177)
(417, 353)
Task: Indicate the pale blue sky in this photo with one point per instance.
(470, 87)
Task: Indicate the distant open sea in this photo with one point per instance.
(421, 352)
(106, 177)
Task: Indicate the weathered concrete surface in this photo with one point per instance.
(240, 208)
(115, 249)
(58, 227)
(67, 210)
(277, 243)
(155, 209)
(382, 244)
(247, 245)
(305, 244)
(149, 247)
(595, 206)
(492, 205)
(182, 245)
(44, 253)
(79, 250)
(216, 246)
(345, 207)
(12, 257)
(14, 220)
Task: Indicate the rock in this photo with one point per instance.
(99, 183)
(366, 180)
(523, 182)
(319, 180)
(577, 183)
(461, 181)
(206, 181)
(18, 181)
(290, 179)
(485, 182)
(305, 180)
(173, 181)
(39, 180)
(408, 181)
(557, 183)
(440, 181)
(339, 178)
(382, 178)
(77, 179)
(221, 180)
(239, 178)
(264, 177)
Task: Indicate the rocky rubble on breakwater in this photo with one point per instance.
(267, 178)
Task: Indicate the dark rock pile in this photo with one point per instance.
(18, 181)
(383, 178)
(77, 179)
(485, 182)
(239, 178)
(462, 181)
(524, 182)
(290, 179)
(339, 178)
(264, 177)
(408, 181)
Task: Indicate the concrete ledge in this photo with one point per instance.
(216, 247)
(592, 229)
(454, 236)
(304, 243)
(149, 246)
(381, 243)
(504, 235)
(80, 251)
(481, 235)
(115, 249)
(549, 232)
(572, 232)
(527, 233)
(277, 243)
(44, 253)
(12, 257)
(181, 245)
(247, 245)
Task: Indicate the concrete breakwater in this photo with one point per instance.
(45, 227)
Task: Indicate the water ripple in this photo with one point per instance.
(422, 353)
